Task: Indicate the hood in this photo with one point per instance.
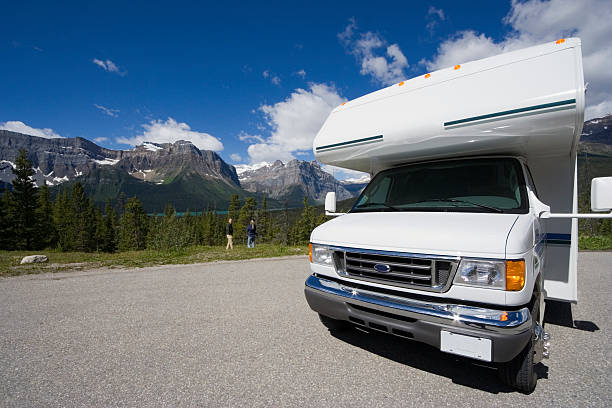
(439, 233)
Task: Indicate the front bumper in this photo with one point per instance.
(509, 331)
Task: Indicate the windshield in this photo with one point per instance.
(469, 185)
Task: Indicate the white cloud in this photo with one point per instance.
(436, 12)
(386, 64)
(535, 22)
(235, 157)
(301, 73)
(109, 66)
(108, 111)
(265, 152)
(434, 16)
(272, 76)
(245, 137)
(171, 131)
(101, 139)
(294, 122)
(20, 127)
(352, 176)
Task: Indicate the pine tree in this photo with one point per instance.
(206, 227)
(169, 210)
(62, 220)
(44, 215)
(234, 207)
(263, 220)
(134, 226)
(121, 201)
(283, 234)
(22, 211)
(246, 213)
(109, 230)
(82, 220)
(305, 224)
(99, 233)
(6, 231)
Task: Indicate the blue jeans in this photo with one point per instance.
(251, 242)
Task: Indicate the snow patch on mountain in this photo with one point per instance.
(242, 168)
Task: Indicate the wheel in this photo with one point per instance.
(520, 372)
(333, 324)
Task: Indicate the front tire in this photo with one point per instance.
(333, 324)
(520, 372)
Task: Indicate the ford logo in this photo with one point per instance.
(382, 268)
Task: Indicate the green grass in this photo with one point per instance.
(595, 243)
(66, 261)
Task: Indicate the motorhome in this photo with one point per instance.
(469, 222)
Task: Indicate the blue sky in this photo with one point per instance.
(253, 81)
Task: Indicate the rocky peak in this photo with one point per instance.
(59, 160)
(296, 177)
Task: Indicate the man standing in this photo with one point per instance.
(251, 234)
(229, 232)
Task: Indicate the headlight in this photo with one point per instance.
(322, 255)
(486, 273)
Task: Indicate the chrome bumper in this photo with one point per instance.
(454, 313)
(508, 330)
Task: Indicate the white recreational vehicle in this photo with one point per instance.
(469, 221)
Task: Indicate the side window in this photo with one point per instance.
(530, 181)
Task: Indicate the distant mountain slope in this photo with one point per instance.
(597, 131)
(177, 173)
(292, 181)
(54, 160)
(186, 190)
(594, 153)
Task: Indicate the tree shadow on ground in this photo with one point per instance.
(460, 370)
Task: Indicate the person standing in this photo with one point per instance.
(251, 234)
(229, 232)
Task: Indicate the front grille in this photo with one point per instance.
(405, 271)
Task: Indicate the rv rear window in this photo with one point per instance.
(468, 185)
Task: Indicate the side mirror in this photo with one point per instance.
(330, 202)
(601, 194)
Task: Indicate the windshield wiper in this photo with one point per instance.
(455, 200)
(383, 204)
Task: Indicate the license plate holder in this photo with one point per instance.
(469, 346)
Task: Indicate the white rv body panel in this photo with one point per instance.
(523, 103)
(527, 103)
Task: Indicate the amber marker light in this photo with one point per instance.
(457, 67)
(310, 252)
(401, 83)
(515, 275)
(427, 75)
(560, 41)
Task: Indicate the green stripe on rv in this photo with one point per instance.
(351, 143)
(529, 110)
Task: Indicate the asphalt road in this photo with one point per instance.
(241, 334)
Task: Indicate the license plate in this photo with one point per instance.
(474, 347)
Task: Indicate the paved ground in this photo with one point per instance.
(241, 334)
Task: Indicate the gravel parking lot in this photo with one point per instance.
(241, 334)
